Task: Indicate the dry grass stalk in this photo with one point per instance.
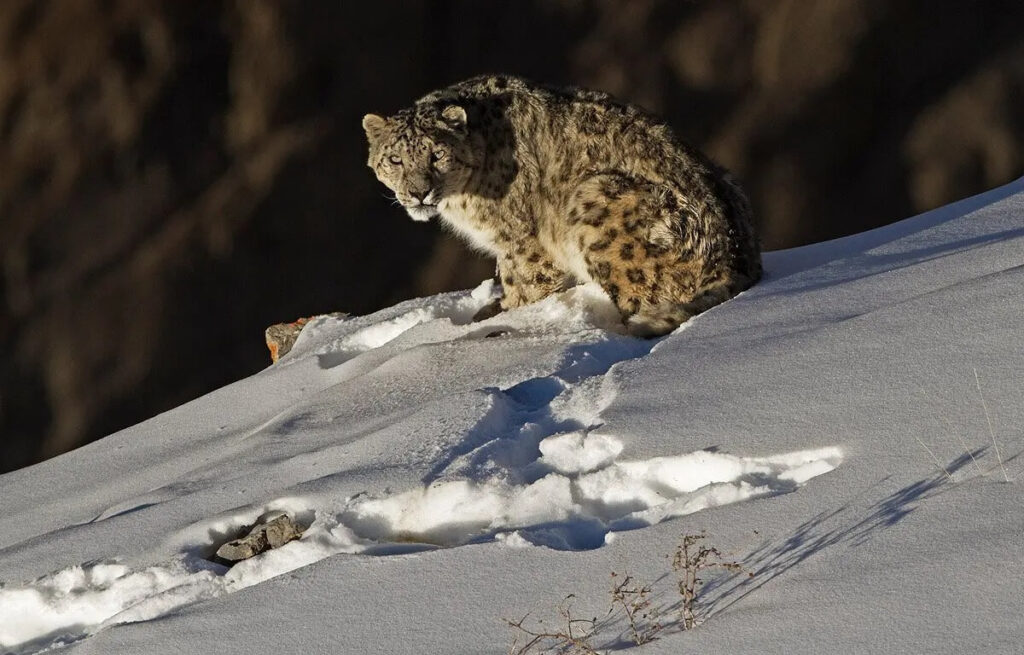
(692, 557)
(572, 637)
(635, 601)
(991, 430)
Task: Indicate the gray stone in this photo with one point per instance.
(262, 537)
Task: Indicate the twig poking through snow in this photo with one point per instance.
(690, 559)
(991, 431)
(635, 600)
(570, 639)
(934, 458)
(963, 443)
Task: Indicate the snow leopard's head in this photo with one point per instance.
(422, 154)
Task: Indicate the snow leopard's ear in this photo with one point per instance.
(454, 118)
(374, 125)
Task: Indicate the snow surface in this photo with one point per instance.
(846, 429)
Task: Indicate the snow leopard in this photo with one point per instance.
(567, 185)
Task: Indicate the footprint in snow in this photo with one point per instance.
(539, 470)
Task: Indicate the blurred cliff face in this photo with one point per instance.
(176, 176)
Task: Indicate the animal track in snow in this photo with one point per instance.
(539, 468)
(588, 496)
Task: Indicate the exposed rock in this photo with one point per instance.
(262, 537)
(281, 336)
(489, 310)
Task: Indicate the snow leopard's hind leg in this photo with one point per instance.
(646, 250)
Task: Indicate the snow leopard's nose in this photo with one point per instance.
(425, 197)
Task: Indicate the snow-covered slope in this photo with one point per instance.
(845, 429)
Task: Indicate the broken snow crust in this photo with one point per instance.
(825, 428)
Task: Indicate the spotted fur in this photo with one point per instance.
(567, 185)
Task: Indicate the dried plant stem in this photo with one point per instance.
(571, 638)
(991, 430)
(934, 458)
(690, 559)
(635, 601)
(963, 443)
(574, 636)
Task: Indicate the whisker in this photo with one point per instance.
(393, 198)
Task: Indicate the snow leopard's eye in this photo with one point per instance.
(395, 159)
(438, 155)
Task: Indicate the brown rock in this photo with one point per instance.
(281, 336)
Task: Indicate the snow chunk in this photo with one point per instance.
(52, 609)
(579, 452)
(561, 506)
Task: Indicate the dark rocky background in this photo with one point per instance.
(177, 175)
